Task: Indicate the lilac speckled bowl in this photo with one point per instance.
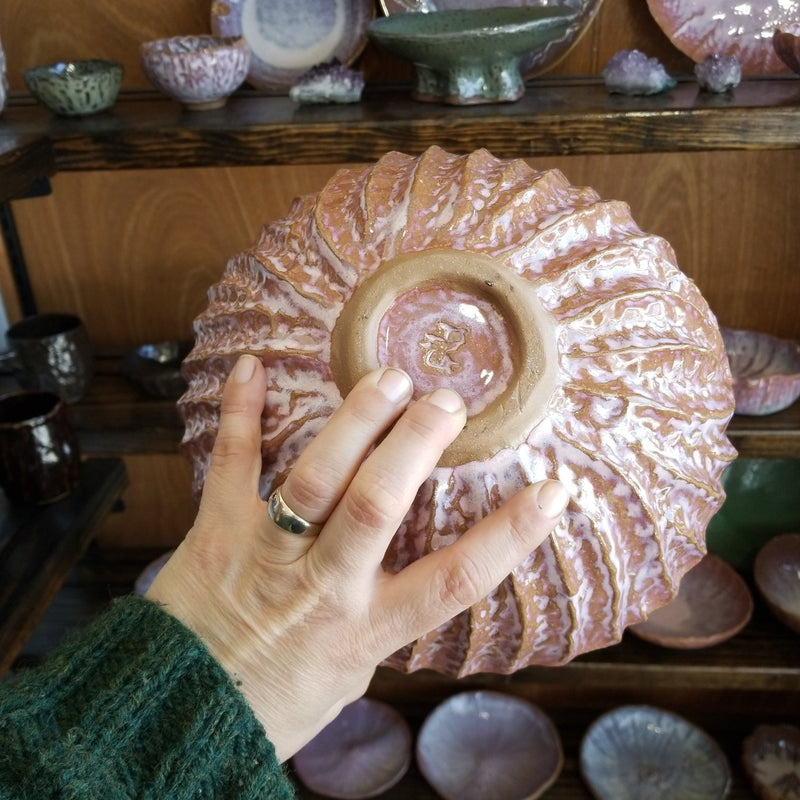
(200, 72)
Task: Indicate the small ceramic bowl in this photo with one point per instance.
(156, 368)
(75, 88)
(200, 72)
(646, 753)
(713, 604)
(470, 56)
(771, 760)
(787, 47)
(365, 751)
(776, 572)
(766, 371)
(514, 742)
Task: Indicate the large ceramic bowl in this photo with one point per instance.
(514, 742)
(777, 575)
(200, 72)
(531, 63)
(581, 350)
(647, 753)
(364, 752)
(771, 760)
(713, 604)
(766, 371)
(75, 88)
(470, 56)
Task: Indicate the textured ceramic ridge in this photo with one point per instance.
(198, 71)
(609, 373)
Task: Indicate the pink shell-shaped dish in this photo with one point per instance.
(483, 744)
(776, 571)
(582, 351)
(362, 753)
(701, 28)
(713, 604)
(771, 759)
(766, 371)
(787, 47)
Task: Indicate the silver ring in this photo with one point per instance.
(286, 519)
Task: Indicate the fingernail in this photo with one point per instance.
(244, 368)
(446, 399)
(552, 499)
(395, 385)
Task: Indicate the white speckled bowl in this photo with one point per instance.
(75, 88)
(200, 72)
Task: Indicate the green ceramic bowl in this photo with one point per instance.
(762, 500)
(75, 88)
(471, 55)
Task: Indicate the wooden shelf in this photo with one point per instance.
(40, 544)
(556, 116)
(727, 689)
(117, 418)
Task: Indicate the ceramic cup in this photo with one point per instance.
(39, 453)
(51, 352)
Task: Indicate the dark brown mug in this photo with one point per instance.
(51, 353)
(39, 453)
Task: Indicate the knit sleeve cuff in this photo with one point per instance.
(134, 706)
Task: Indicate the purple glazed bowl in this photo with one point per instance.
(200, 72)
(765, 370)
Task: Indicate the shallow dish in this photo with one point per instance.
(776, 572)
(532, 63)
(647, 753)
(771, 759)
(765, 370)
(200, 72)
(75, 88)
(362, 753)
(713, 604)
(289, 37)
(470, 56)
(515, 743)
(701, 28)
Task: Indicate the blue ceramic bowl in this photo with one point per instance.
(76, 88)
(646, 753)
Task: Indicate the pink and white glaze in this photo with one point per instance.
(198, 71)
(607, 367)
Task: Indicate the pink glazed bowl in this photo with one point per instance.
(582, 351)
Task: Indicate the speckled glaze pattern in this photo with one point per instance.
(621, 387)
(75, 88)
(534, 62)
(771, 759)
(470, 56)
(198, 71)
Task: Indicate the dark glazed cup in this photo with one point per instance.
(51, 353)
(39, 453)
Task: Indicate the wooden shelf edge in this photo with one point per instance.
(556, 116)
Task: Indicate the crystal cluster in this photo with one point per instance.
(718, 73)
(632, 72)
(331, 82)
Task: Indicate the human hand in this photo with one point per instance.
(301, 622)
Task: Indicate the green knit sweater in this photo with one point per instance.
(133, 707)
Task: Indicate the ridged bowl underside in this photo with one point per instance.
(625, 399)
